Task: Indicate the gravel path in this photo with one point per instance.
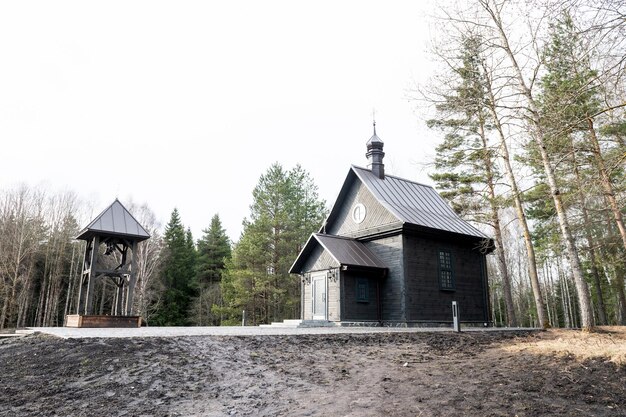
(73, 333)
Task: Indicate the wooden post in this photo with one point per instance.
(119, 298)
(132, 280)
(81, 292)
(91, 276)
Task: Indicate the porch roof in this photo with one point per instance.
(345, 251)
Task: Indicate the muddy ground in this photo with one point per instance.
(403, 374)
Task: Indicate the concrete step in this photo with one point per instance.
(317, 323)
(292, 321)
(295, 324)
(281, 324)
(18, 333)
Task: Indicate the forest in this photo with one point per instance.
(180, 280)
(529, 107)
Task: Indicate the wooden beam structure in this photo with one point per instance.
(117, 231)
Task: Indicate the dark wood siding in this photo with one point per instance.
(389, 250)
(353, 310)
(377, 215)
(426, 301)
(410, 292)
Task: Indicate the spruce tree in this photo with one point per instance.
(212, 253)
(178, 274)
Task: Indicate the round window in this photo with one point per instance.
(358, 213)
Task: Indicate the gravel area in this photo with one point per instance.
(70, 333)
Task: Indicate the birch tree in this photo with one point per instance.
(492, 10)
(148, 261)
(21, 228)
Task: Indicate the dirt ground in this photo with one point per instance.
(555, 373)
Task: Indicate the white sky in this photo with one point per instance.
(193, 101)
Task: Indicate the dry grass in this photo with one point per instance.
(606, 342)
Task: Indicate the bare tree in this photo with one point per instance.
(492, 104)
(20, 231)
(502, 34)
(497, 100)
(148, 260)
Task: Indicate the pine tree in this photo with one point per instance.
(465, 162)
(285, 210)
(569, 106)
(502, 37)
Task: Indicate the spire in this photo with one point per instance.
(375, 155)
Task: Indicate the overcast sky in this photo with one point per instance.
(185, 104)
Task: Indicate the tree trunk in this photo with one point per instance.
(7, 308)
(555, 317)
(511, 320)
(48, 301)
(605, 180)
(3, 314)
(40, 304)
(24, 303)
(547, 304)
(590, 241)
(519, 210)
(572, 252)
(538, 135)
(564, 303)
(618, 280)
(617, 283)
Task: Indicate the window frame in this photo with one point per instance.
(359, 283)
(442, 268)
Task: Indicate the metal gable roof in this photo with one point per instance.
(114, 220)
(349, 251)
(344, 250)
(415, 203)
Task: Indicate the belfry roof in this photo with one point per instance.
(115, 220)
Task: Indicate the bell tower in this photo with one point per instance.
(110, 254)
